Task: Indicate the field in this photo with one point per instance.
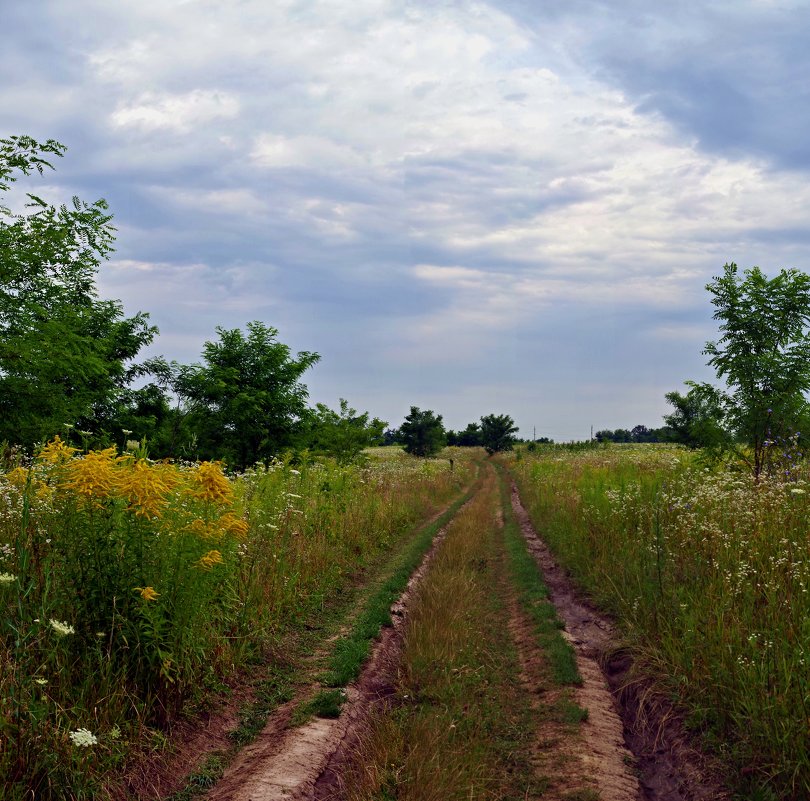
(139, 594)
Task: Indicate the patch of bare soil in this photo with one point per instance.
(624, 709)
(306, 762)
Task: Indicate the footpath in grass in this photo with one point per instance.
(466, 720)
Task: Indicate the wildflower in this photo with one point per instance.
(208, 560)
(83, 738)
(61, 628)
(208, 483)
(147, 593)
(7, 578)
(56, 452)
(93, 475)
(42, 682)
(233, 525)
(797, 491)
(115, 732)
(145, 487)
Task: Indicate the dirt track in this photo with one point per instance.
(305, 762)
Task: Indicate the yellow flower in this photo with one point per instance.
(93, 475)
(146, 488)
(207, 561)
(208, 483)
(18, 477)
(147, 593)
(234, 525)
(56, 452)
(205, 531)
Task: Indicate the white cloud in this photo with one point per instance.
(178, 113)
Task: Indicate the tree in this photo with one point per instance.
(697, 417)
(64, 353)
(422, 432)
(763, 354)
(470, 437)
(497, 432)
(245, 403)
(342, 434)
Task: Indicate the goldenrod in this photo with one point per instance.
(146, 488)
(208, 560)
(208, 483)
(148, 593)
(93, 475)
(56, 452)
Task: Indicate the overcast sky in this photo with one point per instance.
(473, 207)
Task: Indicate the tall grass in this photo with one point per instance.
(130, 586)
(708, 573)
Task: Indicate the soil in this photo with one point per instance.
(630, 716)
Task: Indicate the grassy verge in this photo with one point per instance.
(706, 572)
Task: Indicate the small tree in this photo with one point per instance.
(470, 437)
(697, 417)
(246, 401)
(342, 434)
(422, 432)
(497, 432)
(763, 355)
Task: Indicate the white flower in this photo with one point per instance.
(797, 491)
(296, 472)
(40, 681)
(115, 732)
(83, 738)
(7, 578)
(61, 628)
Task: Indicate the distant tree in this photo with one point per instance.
(470, 437)
(65, 355)
(422, 432)
(497, 432)
(763, 354)
(391, 436)
(697, 417)
(342, 434)
(245, 402)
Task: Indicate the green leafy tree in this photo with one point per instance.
(65, 355)
(498, 432)
(342, 434)
(763, 354)
(697, 417)
(422, 432)
(245, 403)
(470, 437)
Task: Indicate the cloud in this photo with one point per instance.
(177, 113)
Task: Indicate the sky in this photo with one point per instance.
(506, 207)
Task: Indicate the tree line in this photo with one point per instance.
(68, 359)
(68, 362)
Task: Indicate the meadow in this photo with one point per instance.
(706, 570)
(133, 588)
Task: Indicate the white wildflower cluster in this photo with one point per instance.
(83, 738)
(60, 628)
(7, 578)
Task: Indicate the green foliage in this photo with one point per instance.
(341, 434)
(245, 402)
(697, 417)
(497, 432)
(63, 352)
(763, 355)
(422, 432)
(470, 437)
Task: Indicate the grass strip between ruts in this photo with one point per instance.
(351, 651)
(533, 596)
